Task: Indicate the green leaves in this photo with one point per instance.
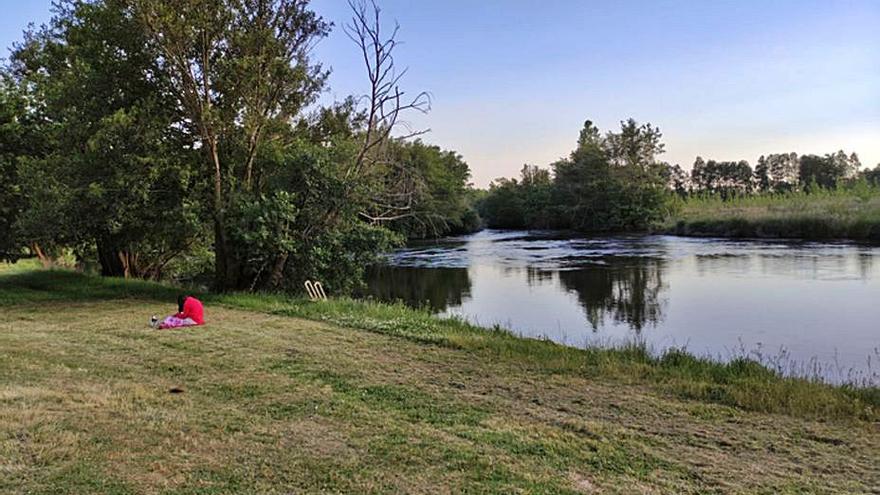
(608, 183)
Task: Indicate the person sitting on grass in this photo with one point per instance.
(190, 312)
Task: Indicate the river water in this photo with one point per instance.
(811, 309)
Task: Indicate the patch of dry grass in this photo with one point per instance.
(275, 404)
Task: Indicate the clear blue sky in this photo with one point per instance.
(512, 81)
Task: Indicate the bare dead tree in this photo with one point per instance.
(386, 103)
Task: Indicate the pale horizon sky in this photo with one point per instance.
(512, 81)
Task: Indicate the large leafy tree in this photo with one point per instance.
(609, 182)
(113, 171)
(161, 120)
(240, 72)
(17, 139)
(612, 182)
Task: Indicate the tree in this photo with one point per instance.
(537, 197)
(762, 175)
(676, 179)
(608, 183)
(827, 171)
(438, 203)
(612, 183)
(725, 178)
(503, 206)
(240, 72)
(16, 140)
(112, 170)
(635, 146)
(783, 171)
(873, 176)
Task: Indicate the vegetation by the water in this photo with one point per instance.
(610, 182)
(278, 395)
(127, 142)
(122, 149)
(844, 213)
(615, 182)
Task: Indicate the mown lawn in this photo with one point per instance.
(93, 401)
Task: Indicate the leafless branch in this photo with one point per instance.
(386, 102)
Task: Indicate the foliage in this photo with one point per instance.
(609, 183)
(14, 137)
(437, 203)
(777, 172)
(158, 136)
(846, 212)
(829, 170)
(113, 172)
(872, 176)
(725, 178)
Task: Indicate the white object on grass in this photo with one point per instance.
(316, 291)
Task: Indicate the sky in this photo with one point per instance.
(512, 81)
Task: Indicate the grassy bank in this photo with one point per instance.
(839, 214)
(280, 395)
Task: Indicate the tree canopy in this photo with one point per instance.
(139, 133)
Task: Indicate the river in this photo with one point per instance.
(808, 309)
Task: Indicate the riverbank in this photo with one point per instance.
(823, 215)
(281, 394)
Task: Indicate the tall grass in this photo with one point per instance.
(844, 213)
(742, 382)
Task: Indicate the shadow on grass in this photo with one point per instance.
(38, 286)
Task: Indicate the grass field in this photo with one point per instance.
(836, 214)
(285, 396)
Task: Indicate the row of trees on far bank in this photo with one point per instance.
(167, 137)
(615, 182)
(781, 172)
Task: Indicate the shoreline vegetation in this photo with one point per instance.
(822, 215)
(351, 396)
(616, 183)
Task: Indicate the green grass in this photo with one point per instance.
(835, 214)
(285, 395)
(741, 382)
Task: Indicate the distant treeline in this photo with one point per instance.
(614, 182)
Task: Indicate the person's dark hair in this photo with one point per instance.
(180, 299)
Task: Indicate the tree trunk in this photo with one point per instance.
(225, 269)
(45, 260)
(277, 274)
(108, 257)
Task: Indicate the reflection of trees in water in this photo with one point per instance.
(787, 264)
(534, 276)
(627, 291)
(435, 288)
(866, 265)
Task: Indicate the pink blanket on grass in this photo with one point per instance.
(175, 322)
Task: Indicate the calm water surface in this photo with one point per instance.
(804, 308)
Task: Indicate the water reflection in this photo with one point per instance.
(804, 300)
(625, 291)
(434, 288)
